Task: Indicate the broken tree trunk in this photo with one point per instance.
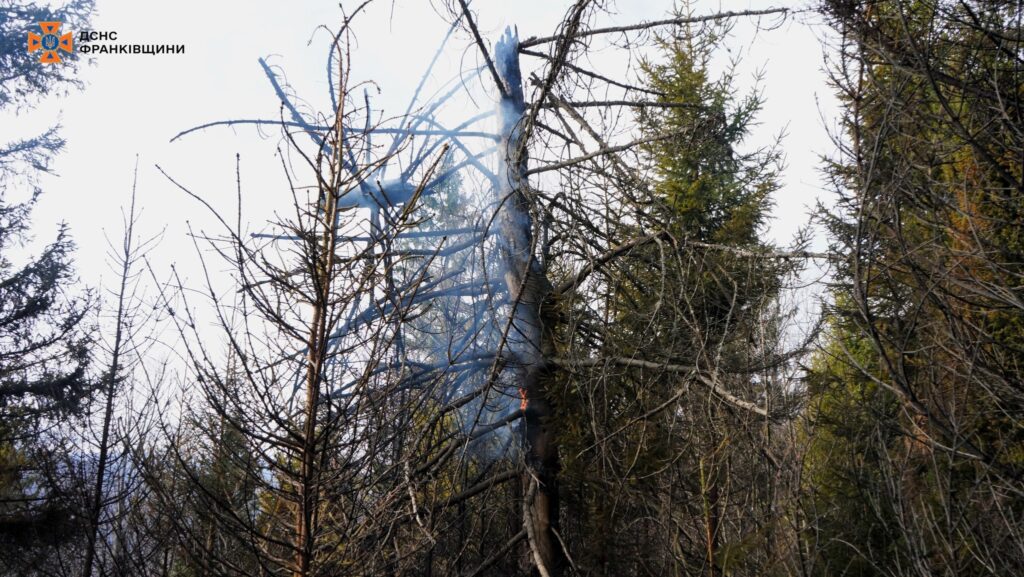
(529, 344)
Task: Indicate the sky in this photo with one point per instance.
(133, 105)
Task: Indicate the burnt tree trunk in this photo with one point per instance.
(529, 344)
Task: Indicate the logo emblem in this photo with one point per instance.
(50, 42)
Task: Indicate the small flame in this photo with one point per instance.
(523, 402)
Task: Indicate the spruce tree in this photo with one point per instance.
(44, 341)
(661, 477)
(914, 425)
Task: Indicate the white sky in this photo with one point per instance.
(133, 104)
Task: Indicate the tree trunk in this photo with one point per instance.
(309, 478)
(110, 382)
(529, 344)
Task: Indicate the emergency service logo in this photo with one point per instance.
(50, 42)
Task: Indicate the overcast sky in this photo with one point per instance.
(134, 104)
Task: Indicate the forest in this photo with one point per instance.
(531, 324)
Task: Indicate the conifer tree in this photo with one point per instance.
(690, 462)
(914, 417)
(44, 344)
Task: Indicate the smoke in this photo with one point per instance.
(428, 197)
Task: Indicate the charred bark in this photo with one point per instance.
(530, 345)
